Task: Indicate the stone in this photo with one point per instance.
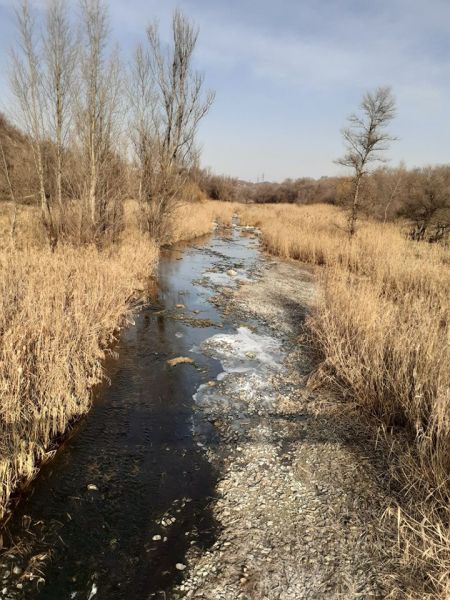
(172, 362)
(156, 538)
(92, 487)
(180, 567)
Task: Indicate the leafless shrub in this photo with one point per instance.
(427, 206)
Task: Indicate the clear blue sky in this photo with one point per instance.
(288, 72)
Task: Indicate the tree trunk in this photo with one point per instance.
(354, 209)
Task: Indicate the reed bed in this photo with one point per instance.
(59, 313)
(382, 325)
(197, 219)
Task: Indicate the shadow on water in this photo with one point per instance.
(137, 447)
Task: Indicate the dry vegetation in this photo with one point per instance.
(74, 253)
(59, 313)
(382, 325)
(189, 223)
(419, 196)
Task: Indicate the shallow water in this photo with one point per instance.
(137, 451)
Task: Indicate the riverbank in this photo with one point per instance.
(129, 492)
(382, 327)
(59, 314)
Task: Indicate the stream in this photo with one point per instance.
(129, 492)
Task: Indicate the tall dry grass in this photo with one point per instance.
(59, 311)
(58, 314)
(197, 219)
(188, 221)
(382, 324)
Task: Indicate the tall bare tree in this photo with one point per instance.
(366, 140)
(99, 102)
(142, 102)
(27, 85)
(60, 53)
(168, 106)
(179, 86)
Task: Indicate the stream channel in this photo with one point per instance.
(113, 514)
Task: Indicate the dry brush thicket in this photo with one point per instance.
(382, 324)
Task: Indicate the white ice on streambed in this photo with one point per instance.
(248, 361)
(244, 351)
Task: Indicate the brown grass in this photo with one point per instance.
(59, 311)
(58, 314)
(382, 324)
(197, 219)
(189, 220)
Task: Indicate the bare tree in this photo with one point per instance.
(142, 101)
(12, 194)
(181, 104)
(366, 139)
(27, 85)
(167, 110)
(97, 112)
(427, 205)
(60, 53)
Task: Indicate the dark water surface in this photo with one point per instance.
(139, 447)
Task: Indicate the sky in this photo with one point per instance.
(287, 73)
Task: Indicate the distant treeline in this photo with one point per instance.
(421, 196)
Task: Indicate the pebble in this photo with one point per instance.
(180, 567)
(92, 487)
(156, 538)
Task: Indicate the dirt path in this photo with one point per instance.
(302, 490)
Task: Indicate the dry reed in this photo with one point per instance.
(196, 219)
(58, 314)
(59, 311)
(382, 324)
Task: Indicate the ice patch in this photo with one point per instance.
(249, 360)
(245, 351)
